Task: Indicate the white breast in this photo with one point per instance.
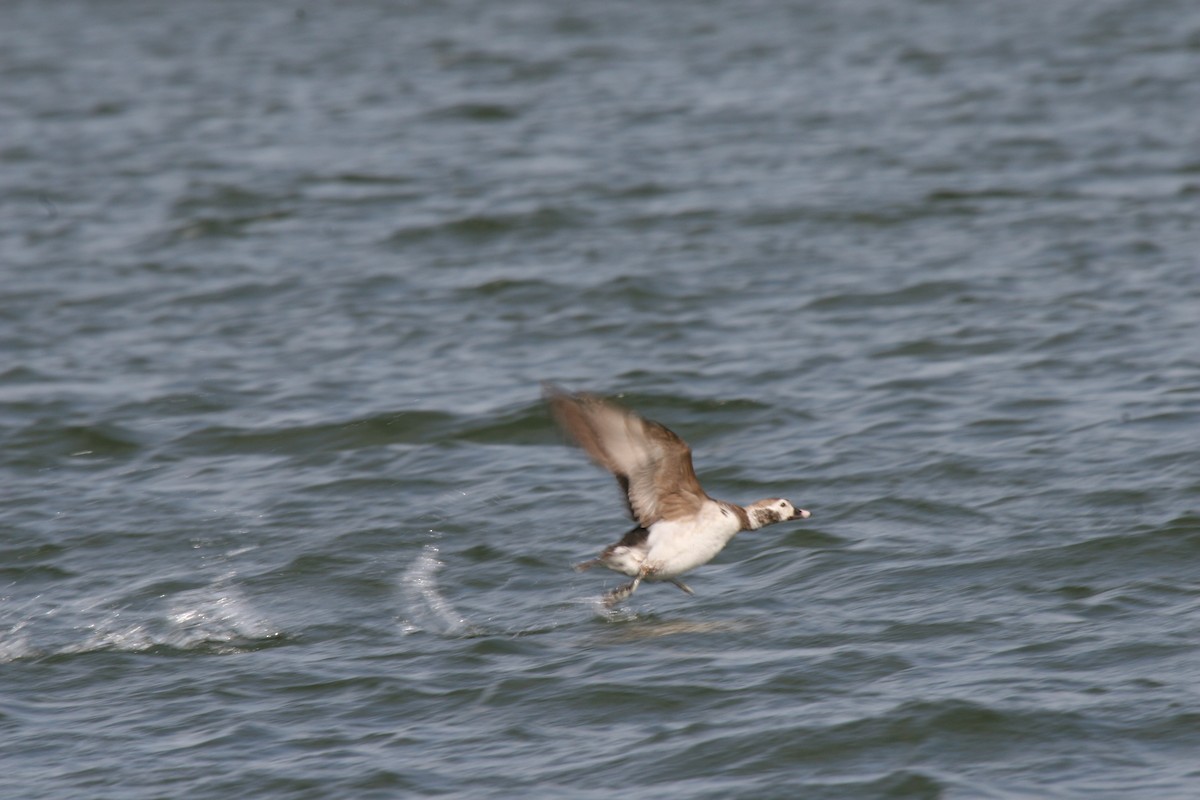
(676, 546)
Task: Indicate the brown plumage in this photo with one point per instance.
(652, 464)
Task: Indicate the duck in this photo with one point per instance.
(679, 527)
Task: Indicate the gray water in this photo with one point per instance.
(283, 515)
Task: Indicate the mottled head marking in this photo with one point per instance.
(766, 516)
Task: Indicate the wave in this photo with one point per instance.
(536, 221)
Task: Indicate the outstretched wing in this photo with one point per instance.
(652, 464)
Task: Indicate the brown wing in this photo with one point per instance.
(652, 464)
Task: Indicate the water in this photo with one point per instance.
(283, 515)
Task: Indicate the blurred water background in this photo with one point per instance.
(281, 512)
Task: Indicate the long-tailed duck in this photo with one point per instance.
(679, 527)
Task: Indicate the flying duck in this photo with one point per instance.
(679, 527)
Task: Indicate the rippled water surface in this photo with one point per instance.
(283, 515)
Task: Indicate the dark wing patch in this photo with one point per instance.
(634, 538)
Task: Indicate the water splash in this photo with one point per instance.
(214, 618)
(428, 608)
(216, 614)
(15, 643)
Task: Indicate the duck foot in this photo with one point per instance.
(621, 592)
